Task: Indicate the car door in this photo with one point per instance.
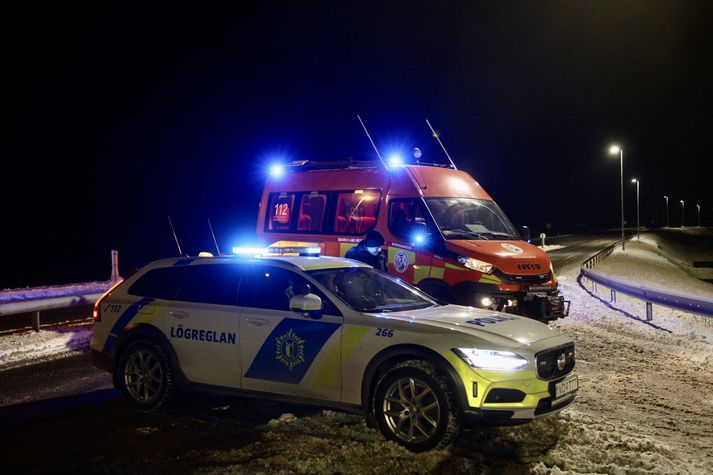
(285, 352)
(202, 324)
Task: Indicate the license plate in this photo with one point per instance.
(566, 386)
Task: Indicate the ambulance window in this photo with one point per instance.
(280, 211)
(160, 283)
(406, 218)
(213, 284)
(356, 211)
(272, 288)
(312, 208)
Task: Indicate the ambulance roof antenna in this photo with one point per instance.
(372, 142)
(214, 240)
(435, 135)
(180, 253)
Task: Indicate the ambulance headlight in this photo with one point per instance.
(475, 264)
(491, 359)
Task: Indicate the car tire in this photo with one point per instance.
(414, 405)
(145, 376)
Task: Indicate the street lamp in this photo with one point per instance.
(666, 197)
(683, 214)
(613, 150)
(699, 215)
(634, 180)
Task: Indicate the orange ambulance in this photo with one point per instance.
(443, 232)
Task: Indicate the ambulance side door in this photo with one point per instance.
(284, 352)
(409, 256)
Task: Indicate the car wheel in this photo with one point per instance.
(414, 406)
(145, 376)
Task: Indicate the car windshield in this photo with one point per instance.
(469, 218)
(367, 290)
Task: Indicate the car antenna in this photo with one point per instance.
(372, 142)
(435, 135)
(214, 240)
(180, 253)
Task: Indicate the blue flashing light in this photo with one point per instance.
(277, 170)
(395, 160)
(249, 251)
(419, 238)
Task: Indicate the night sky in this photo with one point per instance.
(116, 116)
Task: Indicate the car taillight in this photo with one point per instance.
(96, 312)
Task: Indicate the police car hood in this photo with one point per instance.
(496, 328)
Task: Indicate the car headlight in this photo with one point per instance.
(491, 359)
(475, 264)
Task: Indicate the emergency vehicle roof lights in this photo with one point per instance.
(395, 160)
(249, 251)
(277, 170)
(313, 251)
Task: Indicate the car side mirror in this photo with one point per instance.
(309, 305)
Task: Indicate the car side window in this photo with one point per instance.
(272, 288)
(162, 283)
(210, 283)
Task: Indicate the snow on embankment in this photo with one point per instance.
(645, 403)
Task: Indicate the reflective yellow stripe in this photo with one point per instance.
(149, 312)
(330, 368)
(437, 272)
(490, 279)
(420, 273)
(451, 266)
(345, 246)
(392, 254)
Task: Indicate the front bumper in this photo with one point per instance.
(543, 304)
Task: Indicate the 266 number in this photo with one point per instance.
(385, 332)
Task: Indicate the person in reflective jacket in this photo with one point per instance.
(368, 251)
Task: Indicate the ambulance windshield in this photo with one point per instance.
(365, 289)
(468, 218)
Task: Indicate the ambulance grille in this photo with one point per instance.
(547, 362)
(525, 279)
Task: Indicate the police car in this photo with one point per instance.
(333, 332)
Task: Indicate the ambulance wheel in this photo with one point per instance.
(414, 406)
(145, 376)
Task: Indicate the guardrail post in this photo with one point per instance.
(36, 321)
(594, 287)
(114, 266)
(613, 296)
(649, 312)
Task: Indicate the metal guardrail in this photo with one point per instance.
(649, 295)
(37, 306)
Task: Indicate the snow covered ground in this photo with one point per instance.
(645, 403)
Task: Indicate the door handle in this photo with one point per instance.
(178, 314)
(257, 321)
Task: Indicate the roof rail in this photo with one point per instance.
(306, 165)
(302, 165)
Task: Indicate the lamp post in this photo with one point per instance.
(613, 150)
(666, 197)
(683, 214)
(634, 180)
(699, 215)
